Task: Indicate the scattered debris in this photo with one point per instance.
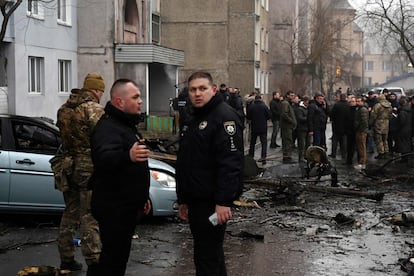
(243, 203)
(245, 234)
(341, 219)
(43, 270)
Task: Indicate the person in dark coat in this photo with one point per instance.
(351, 132)
(287, 126)
(403, 143)
(317, 119)
(209, 171)
(258, 113)
(340, 123)
(224, 92)
(302, 129)
(393, 123)
(275, 108)
(120, 181)
(236, 102)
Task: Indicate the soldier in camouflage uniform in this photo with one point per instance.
(76, 120)
(379, 121)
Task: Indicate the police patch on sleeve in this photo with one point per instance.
(230, 127)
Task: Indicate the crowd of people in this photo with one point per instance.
(361, 124)
(107, 173)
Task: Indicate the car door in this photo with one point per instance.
(4, 171)
(31, 178)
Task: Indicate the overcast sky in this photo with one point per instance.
(357, 3)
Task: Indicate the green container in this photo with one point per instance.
(160, 123)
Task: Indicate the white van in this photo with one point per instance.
(399, 91)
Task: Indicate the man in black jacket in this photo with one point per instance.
(209, 171)
(258, 113)
(121, 179)
(340, 113)
(275, 108)
(317, 119)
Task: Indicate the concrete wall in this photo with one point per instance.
(216, 36)
(96, 37)
(201, 32)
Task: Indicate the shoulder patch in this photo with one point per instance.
(230, 127)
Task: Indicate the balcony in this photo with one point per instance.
(148, 53)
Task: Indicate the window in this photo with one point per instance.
(156, 28)
(369, 65)
(33, 138)
(257, 79)
(257, 41)
(65, 75)
(262, 39)
(368, 81)
(35, 8)
(386, 66)
(64, 11)
(257, 8)
(36, 74)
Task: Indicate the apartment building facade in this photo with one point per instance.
(380, 65)
(123, 40)
(51, 45)
(40, 47)
(228, 38)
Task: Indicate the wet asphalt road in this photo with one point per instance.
(294, 243)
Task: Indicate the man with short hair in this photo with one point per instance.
(209, 171)
(361, 130)
(224, 92)
(302, 128)
(236, 101)
(318, 117)
(275, 108)
(258, 114)
(287, 124)
(379, 121)
(121, 178)
(340, 122)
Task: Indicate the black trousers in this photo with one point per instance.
(208, 241)
(116, 227)
(350, 147)
(263, 142)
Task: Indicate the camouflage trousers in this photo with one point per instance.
(381, 141)
(77, 215)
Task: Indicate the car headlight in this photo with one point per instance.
(164, 179)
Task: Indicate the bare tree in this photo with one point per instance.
(331, 45)
(7, 9)
(315, 46)
(393, 21)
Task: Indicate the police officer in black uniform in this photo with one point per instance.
(209, 171)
